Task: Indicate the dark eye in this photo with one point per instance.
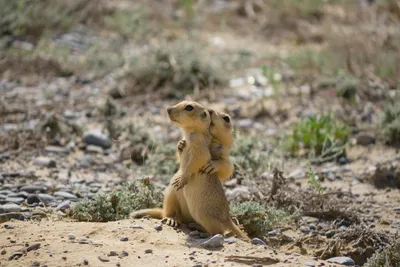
(226, 118)
(189, 107)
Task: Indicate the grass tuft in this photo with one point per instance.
(390, 256)
(390, 125)
(119, 203)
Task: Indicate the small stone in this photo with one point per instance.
(33, 199)
(71, 236)
(11, 207)
(158, 227)
(3, 252)
(123, 254)
(8, 227)
(194, 233)
(123, 239)
(309, 263)
(112, 254)
(56, 149)
(147, 251)
(256, 265)
(257, 241)
(197, 265)
(230, 240)
(85, 262)
(104, 258)
(46, 198)
(16, 255)
(17, 200)
(136, 226)
(330, 233)
(65, 195)
(97, 138)
(35, 264)
(94, 149)
(365, 139)
(33, 189)
(272, 233)
(63, 206)
(396, 209)
(44, 162)
(312, 226)
(214, 242)
(84, 241)
(33, 247)
(304, 229)
(342, 260)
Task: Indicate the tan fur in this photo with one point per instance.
(203, 199)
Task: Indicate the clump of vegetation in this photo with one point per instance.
(249, 155)
(386, 175)
(390, 256)
(119, 203)
(321, 137)
(35, 18)
(257, 220)
(177, 68)
(313, 181)
(390, 125)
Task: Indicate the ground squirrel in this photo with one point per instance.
(203, 196)
(221, 131)
(194, 120)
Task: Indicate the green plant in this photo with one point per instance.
(180, 67)
(249, 154)
(321, 137)
(257, 220)
(390, 124)
(119, 203)
(390, 256)
(313, 181)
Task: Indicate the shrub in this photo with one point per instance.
(119, 203)
(319, 135)
(390, 125)
(257, 220)
(388, 257)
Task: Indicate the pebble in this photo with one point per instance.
(16, 255)
(197, 265)
(46, 198)
(8, 227)
(65, 195)
(147, 251)
(330, 233)
(136, 226)
(158, 227)
(11, 207)
(272, 233)
(85, 262)
(112, 254)
(342, 260)
(56, 149)
(194, 233)
(33, 189)
(33, 199)
(17, 200)
(96, 138)
(214, 242)
(33, 247)
(44, 162)
(313, 226)
(35, 264)
(104, 258)
(304, 229)
(71, 236)
(230, 240)
(258, 241)
(396, 208)
(123, 239)
(123, 254)
(63, 205)
(309, 263)
(365, 139)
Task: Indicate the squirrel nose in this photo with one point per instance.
(210, 111)
(169, 110)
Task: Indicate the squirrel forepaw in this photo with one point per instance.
(181, 145)
(209, 168)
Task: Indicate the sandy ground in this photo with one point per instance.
(168, 247)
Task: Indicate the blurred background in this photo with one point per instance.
(312, 87)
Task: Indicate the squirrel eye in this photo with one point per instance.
(189, 107)
(226, 118)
